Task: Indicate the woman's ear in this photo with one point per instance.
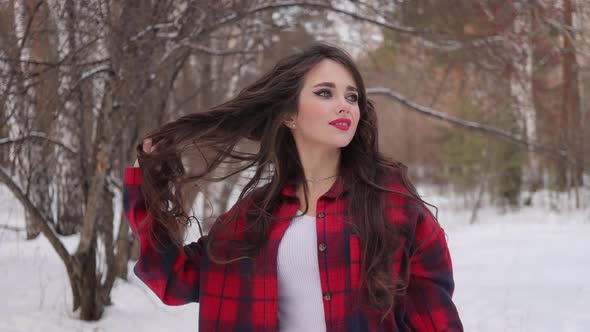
(289, 122)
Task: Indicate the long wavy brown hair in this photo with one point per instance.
(257, 114)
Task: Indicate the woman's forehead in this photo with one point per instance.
(331, 72)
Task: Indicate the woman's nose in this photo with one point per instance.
(344, 107)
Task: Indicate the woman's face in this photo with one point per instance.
(328, 110)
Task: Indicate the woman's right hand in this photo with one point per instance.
(147, 148)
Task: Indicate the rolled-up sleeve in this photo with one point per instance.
(172, 273)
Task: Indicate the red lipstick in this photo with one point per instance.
(342, 123)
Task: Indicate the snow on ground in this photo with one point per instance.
(525, 270)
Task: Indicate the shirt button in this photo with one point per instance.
(322, 246)
(327, 296)
(321, 215)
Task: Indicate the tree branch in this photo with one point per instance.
(53, 64)
(322, 5)
(37, 136)
(474, 126)
(37, 217)
(440, 43)
(12, 228)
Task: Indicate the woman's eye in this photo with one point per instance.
(327, 93)
(323, 93)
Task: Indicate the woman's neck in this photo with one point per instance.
(319, 164)
(320, 168)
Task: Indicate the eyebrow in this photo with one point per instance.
(332, 85)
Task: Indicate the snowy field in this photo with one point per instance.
(525, 270)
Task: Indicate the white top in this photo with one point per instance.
(301, 306)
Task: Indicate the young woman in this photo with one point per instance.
(328, 235)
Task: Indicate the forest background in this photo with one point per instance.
(484, 100)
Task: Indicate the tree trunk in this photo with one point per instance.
(522, 85)
(33, 174)
(122, 253)
(85, 285)
(105, 232)
(31, 226)
(70, 197)
(571, 128)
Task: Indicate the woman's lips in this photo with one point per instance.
(340, 126)
(342, 123)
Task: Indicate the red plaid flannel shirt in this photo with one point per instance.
(236, 297)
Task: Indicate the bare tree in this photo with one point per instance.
(82, 81)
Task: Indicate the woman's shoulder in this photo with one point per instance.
(403, 204)
(241, 206)
(399, 188)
